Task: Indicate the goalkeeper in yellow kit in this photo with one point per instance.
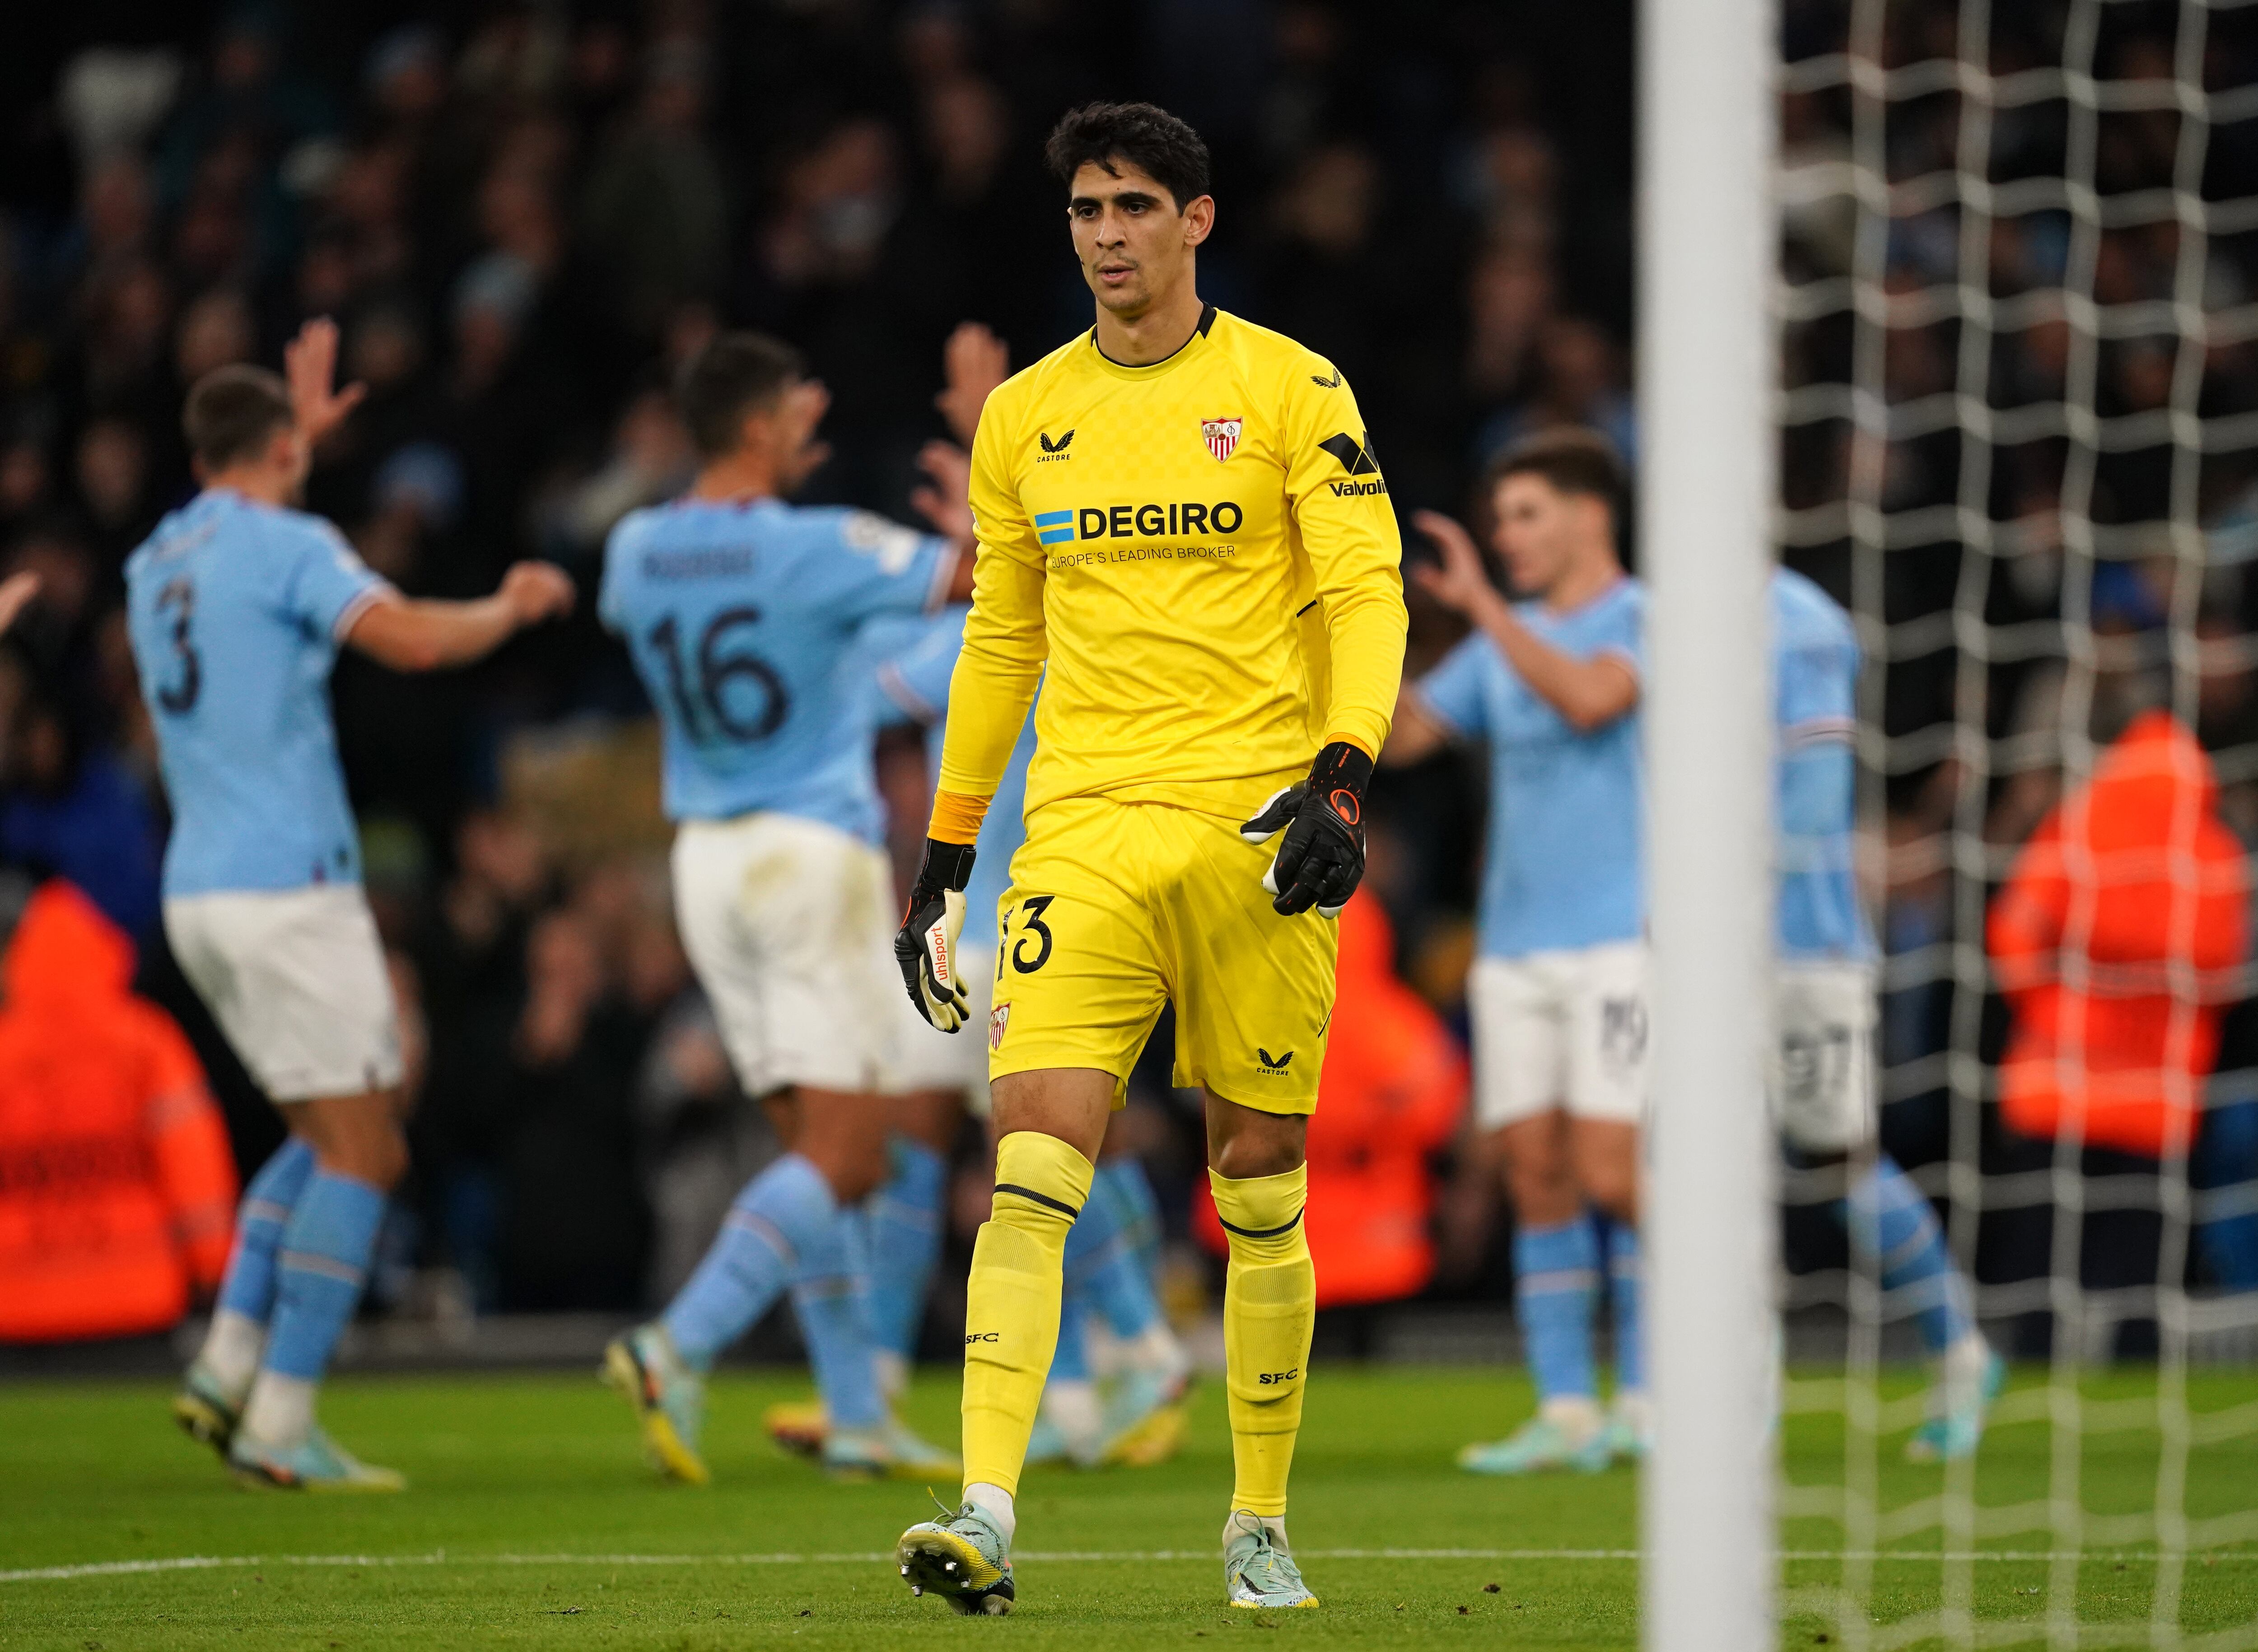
(1184, 539)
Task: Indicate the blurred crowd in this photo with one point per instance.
(2064, 558)
(525, 216)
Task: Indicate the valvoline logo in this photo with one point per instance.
(1138, 521)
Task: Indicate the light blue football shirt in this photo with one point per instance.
(235, 610)
(1566, 863)
(917, 680)
(1814, 690)
(740, 617)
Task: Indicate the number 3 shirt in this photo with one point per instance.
(235, 610)
(741, 617)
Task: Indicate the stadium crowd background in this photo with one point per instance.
(525, 216)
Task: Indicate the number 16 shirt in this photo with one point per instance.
(235, 610)
(741, 616)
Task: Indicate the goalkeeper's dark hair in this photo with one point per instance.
(735, 374)
(232, 412)
(1574, 459)
(1144, 135)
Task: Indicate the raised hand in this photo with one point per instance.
(973, 362)
(800, 411)
(1462, 583)
(945, 501)
(309, 363)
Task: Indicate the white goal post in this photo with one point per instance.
(1707, 240)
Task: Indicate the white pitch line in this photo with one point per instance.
(440, 1557)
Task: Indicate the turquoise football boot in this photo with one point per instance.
(1256, 1572)
(204, 1411)
(1538, 1446)
(890, 1452)
(669, 1399)
(1145, 1418)
(1624, 1443)
(315, 1463)
(1959, 1429)
(963, 1558)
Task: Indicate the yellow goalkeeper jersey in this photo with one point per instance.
(1198, 560)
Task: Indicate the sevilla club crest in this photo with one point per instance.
(1221, 437)
(998, 1018)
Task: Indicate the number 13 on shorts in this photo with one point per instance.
(1137, 907)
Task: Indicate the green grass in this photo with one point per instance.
(523, 1486)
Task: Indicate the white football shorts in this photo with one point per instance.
(295, 979)
(1564, 1030)
(928, 1059)
(789, 923)
(1822, 1070)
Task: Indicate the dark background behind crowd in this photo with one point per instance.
(525, 217)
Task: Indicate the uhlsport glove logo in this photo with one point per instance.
(1320, 859)
(925, 948)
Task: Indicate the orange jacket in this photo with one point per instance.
(117, 1187)
(1392, 1091)
(2118, 937)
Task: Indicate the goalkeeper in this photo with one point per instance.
(1179, 515)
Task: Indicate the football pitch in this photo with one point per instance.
(530, 1522)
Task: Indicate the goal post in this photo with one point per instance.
(1706, 239)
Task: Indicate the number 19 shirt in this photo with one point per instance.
(741, 616)
(235, 610)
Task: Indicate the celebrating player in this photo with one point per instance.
(739, 609)
(236, 606)
(1822, 1079)
(1184, 537)
(1559, 994)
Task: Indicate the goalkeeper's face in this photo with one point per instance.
(1135, 245)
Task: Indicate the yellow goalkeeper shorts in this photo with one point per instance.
(1116, 907)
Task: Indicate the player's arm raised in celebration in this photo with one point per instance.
(1588, 693)
(1339, 502)
(997, 674)
(412, 634)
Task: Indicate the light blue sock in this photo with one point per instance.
(1104, 1268)
(1622, 1294)
(248, 1287)
(783, 1213)
(828, 1297)
(1556, 1279)
(324, 1255)
(1890, 1219)
(1124, 1177)
(904, 1238)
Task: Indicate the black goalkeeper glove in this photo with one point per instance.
(926, 946)
(1321, 859)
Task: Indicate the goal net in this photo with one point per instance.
(2018, 327)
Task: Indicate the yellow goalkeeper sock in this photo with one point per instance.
(1012, 1307)
(1269, 1305)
